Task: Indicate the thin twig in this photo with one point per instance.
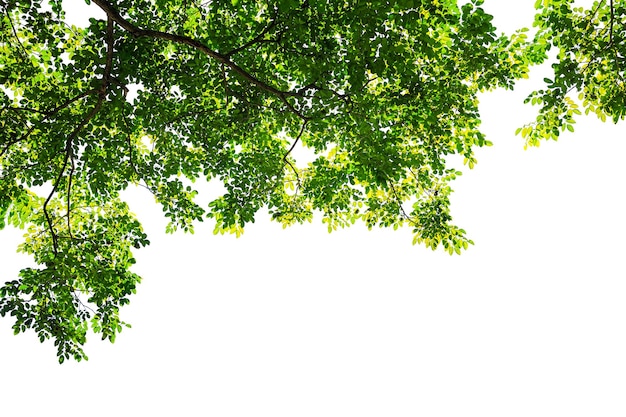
(399, 202)
(69, 193)
(256, 39)
(293, 145)
(48, 115)
(28, 109)
(611, 24)
(295, 142)
(15, 33)
(225, 82)
(77, 298)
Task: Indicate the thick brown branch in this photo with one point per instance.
(137, 32)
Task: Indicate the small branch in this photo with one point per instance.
(225, 83)
(611, 23)
(313, 86)
(256, 39)
(399, 202)
(117, 82)
(147, 187)
(293, 145)
(27, 109)
(130, 154)
(15, 33)
(109, 60)
(69, 193)
(128, 141)
(368, 82)
(68, 156)
(48, 115)
(86, 307)
(615, 50)
(70, 139)
(184, 115)
(114, 15)
(592, 60)
(70, 101)
(295, 172)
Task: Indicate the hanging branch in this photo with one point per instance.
(399, 203)
(47, 115)
(70, 139)
(19, 41)
(611, 24)
(293, 145)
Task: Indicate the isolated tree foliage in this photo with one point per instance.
(166, 91)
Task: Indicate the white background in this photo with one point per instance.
(528, 322)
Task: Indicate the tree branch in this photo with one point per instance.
(611, 24)
(399, 202)
(69, 193)
(68, 157)
(137, 32)
(15, 33)
(256, 39)
(295, 142)
(293, 145)
(109, 60)
(225, 82)
(70, 139)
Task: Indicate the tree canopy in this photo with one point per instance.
(162, 93)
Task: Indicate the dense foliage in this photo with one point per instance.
(161, 93)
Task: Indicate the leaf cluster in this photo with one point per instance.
(160, 94)
(588, 70)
